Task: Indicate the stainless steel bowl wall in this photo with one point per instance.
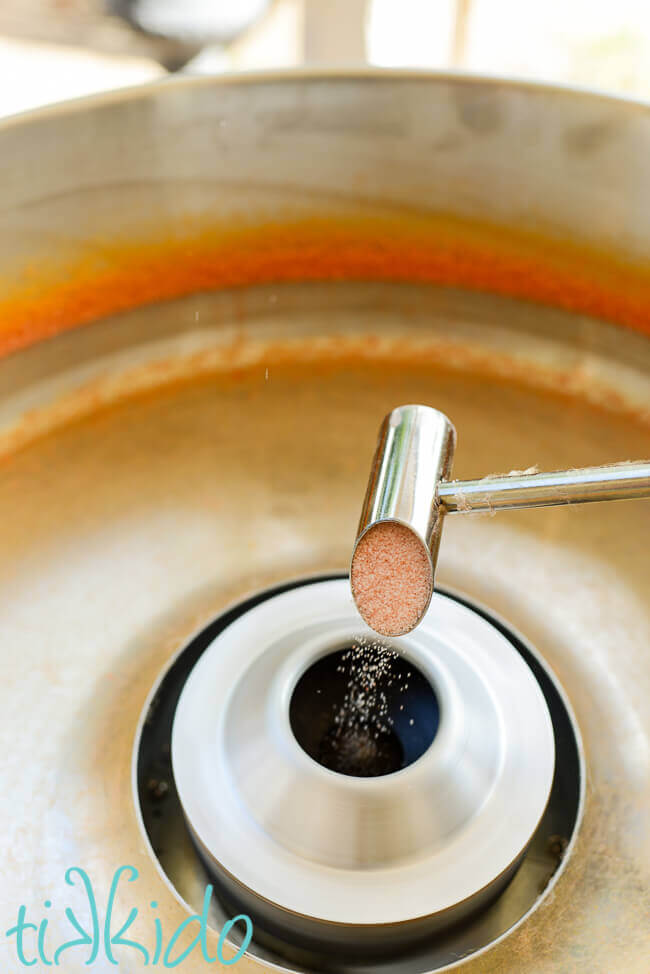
(124, 533)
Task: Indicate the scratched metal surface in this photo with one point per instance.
(135, 521)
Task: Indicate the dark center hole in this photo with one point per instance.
(364, 712)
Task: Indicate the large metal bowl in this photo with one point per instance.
(210, 294)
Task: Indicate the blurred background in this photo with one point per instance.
(56, 49)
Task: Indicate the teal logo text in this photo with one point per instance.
(103, 934)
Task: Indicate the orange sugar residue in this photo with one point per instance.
(102, 278)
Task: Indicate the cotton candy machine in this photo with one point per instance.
(210, 294)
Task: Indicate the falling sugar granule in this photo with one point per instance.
(391, 578)
(361, 740)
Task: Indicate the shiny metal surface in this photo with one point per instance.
(143, 514)
(165, 828)
(415, 450)
(361, 863)
(515, 491)
(519, 190)
(413, 461)
(159, 546)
